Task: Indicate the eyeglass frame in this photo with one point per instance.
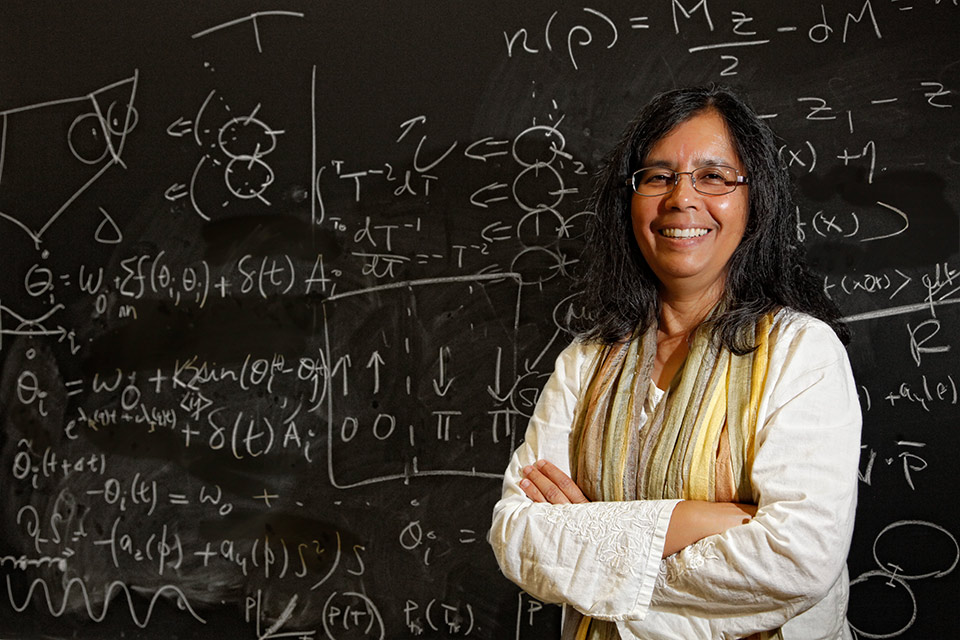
(741, 180)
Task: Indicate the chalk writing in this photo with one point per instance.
(282, 294)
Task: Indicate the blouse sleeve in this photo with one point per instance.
(791, 554)
(602, 558)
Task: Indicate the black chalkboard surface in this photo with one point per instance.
(282, 282)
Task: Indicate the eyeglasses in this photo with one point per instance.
(716, 180)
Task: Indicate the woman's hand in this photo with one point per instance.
(691, 519)
(544, 482)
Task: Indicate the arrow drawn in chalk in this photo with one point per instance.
(485, 203)
(375, 362)
(180, 127)
(438, 385)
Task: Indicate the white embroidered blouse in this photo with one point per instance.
(785, 568)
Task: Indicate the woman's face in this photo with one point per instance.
(687, 237)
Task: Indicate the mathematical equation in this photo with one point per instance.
(261, 357)
(578, 30)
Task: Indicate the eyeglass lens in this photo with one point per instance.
(655, 181)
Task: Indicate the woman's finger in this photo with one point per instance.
(545, 486)
(531, 490)
(562, 481)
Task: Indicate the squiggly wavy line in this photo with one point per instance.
(116, 584)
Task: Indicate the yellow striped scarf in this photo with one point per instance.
(697, 444)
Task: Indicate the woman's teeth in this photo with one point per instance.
(684, 233)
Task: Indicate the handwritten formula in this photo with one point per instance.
(282, 286)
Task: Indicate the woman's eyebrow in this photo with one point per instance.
(658, 163)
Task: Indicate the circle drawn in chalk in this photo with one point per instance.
(539, 227)
(248, 177)
(538, 138)
(246, 137)
(534, 172)
(126, 124)
(569, 309)
(575, 226)
(537, 265)
(366, 619)
(908, 542)
(889, 594)
(86, 139)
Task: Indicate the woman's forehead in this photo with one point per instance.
(702, 139)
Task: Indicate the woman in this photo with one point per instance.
(690, 470)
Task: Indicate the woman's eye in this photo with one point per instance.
(658, 178)
(713, 176)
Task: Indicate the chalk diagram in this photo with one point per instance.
(113, 591)
(889, 586)
(253, 19)
(429, 394)
(235, 145)
(234, 165)
(538, 190)
(97, 138)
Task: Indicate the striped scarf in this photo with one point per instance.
(697, 444)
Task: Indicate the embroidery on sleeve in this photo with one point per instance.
(621, 532)
(689, 559)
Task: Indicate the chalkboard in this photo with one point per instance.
(282, 282)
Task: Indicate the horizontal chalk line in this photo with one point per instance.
(896, 311)
(425, 281)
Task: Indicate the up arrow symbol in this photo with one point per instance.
(375, 361)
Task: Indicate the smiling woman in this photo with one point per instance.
(690, 470)
(686, 236)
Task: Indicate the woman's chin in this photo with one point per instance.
(689, 278)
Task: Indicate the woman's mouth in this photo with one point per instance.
(671, 232)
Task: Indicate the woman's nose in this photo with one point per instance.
(683, 194)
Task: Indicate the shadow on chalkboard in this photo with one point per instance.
(896, 201)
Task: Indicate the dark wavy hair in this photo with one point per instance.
(767, 271)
